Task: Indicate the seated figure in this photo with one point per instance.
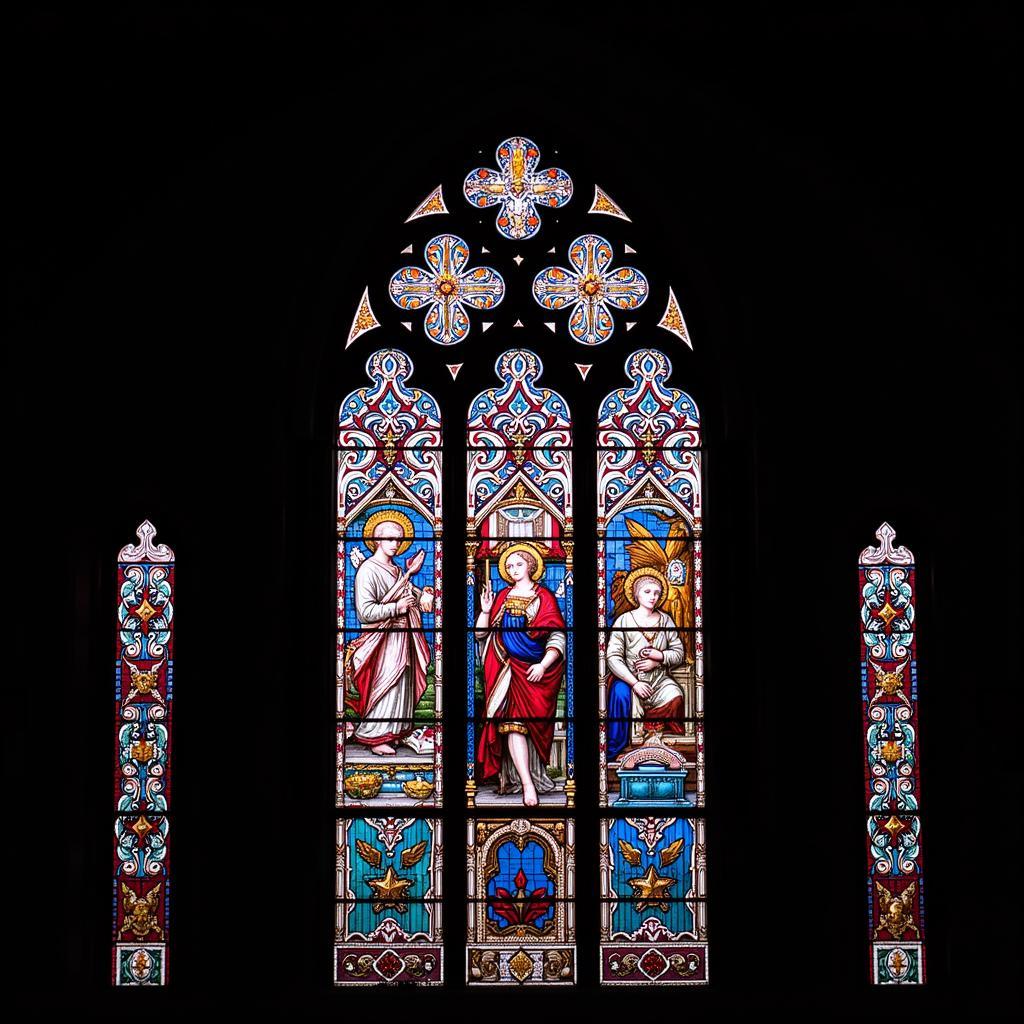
(645, 658)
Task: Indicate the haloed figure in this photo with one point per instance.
(645, 655)
(388, 662)
(523, 636)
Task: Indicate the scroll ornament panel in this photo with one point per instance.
(143, 701)
(889, 694)
(653, 901)
(389, 907)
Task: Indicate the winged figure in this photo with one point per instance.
(141, 912)
(895, 916)
(674, 561)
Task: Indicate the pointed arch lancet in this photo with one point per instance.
(650, 679)
(389, 679)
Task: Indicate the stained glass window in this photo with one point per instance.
(888, 672)
(497, 300)
(143, 699)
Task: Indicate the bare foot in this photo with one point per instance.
(383, 748)
(529, 796)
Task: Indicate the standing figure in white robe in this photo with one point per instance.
(388, 661)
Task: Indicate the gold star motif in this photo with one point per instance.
(142, 828)
(887, 614)
(390, 891)
(145, 611)
(894, 826)
(651, 890)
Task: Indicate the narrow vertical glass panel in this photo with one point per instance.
(389, 910)
(888, 673)
(650, 579)
(651, 680)
(519, 577)
(521, 888)
(389, 587)
(653, 901)
(143, 700)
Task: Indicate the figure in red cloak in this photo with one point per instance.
(523, 663)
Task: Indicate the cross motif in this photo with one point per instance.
(518, 187)
(446, 288)
(591, 289)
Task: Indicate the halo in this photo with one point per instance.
(388, 515)
(529, 549)
(638, 574)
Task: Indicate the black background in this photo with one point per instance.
(199, 200)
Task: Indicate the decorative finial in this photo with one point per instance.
(146, 550)
(886, 550)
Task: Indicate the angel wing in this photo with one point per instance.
(645, 550)
(907, 896)
(887, 897)
(130, 896)
(679, 600)
(678, 541)
(369, 853)
(671, 853)
(630, 854)
(619, 602)
(414, 854)
(152, 897)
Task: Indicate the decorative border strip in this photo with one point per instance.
(892, 781)
(143, 699)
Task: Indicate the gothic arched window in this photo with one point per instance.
(566, 751)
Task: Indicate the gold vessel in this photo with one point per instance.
(418, 788)
(363, 785)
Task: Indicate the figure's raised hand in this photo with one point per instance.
(414, 563)
(487, 598)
